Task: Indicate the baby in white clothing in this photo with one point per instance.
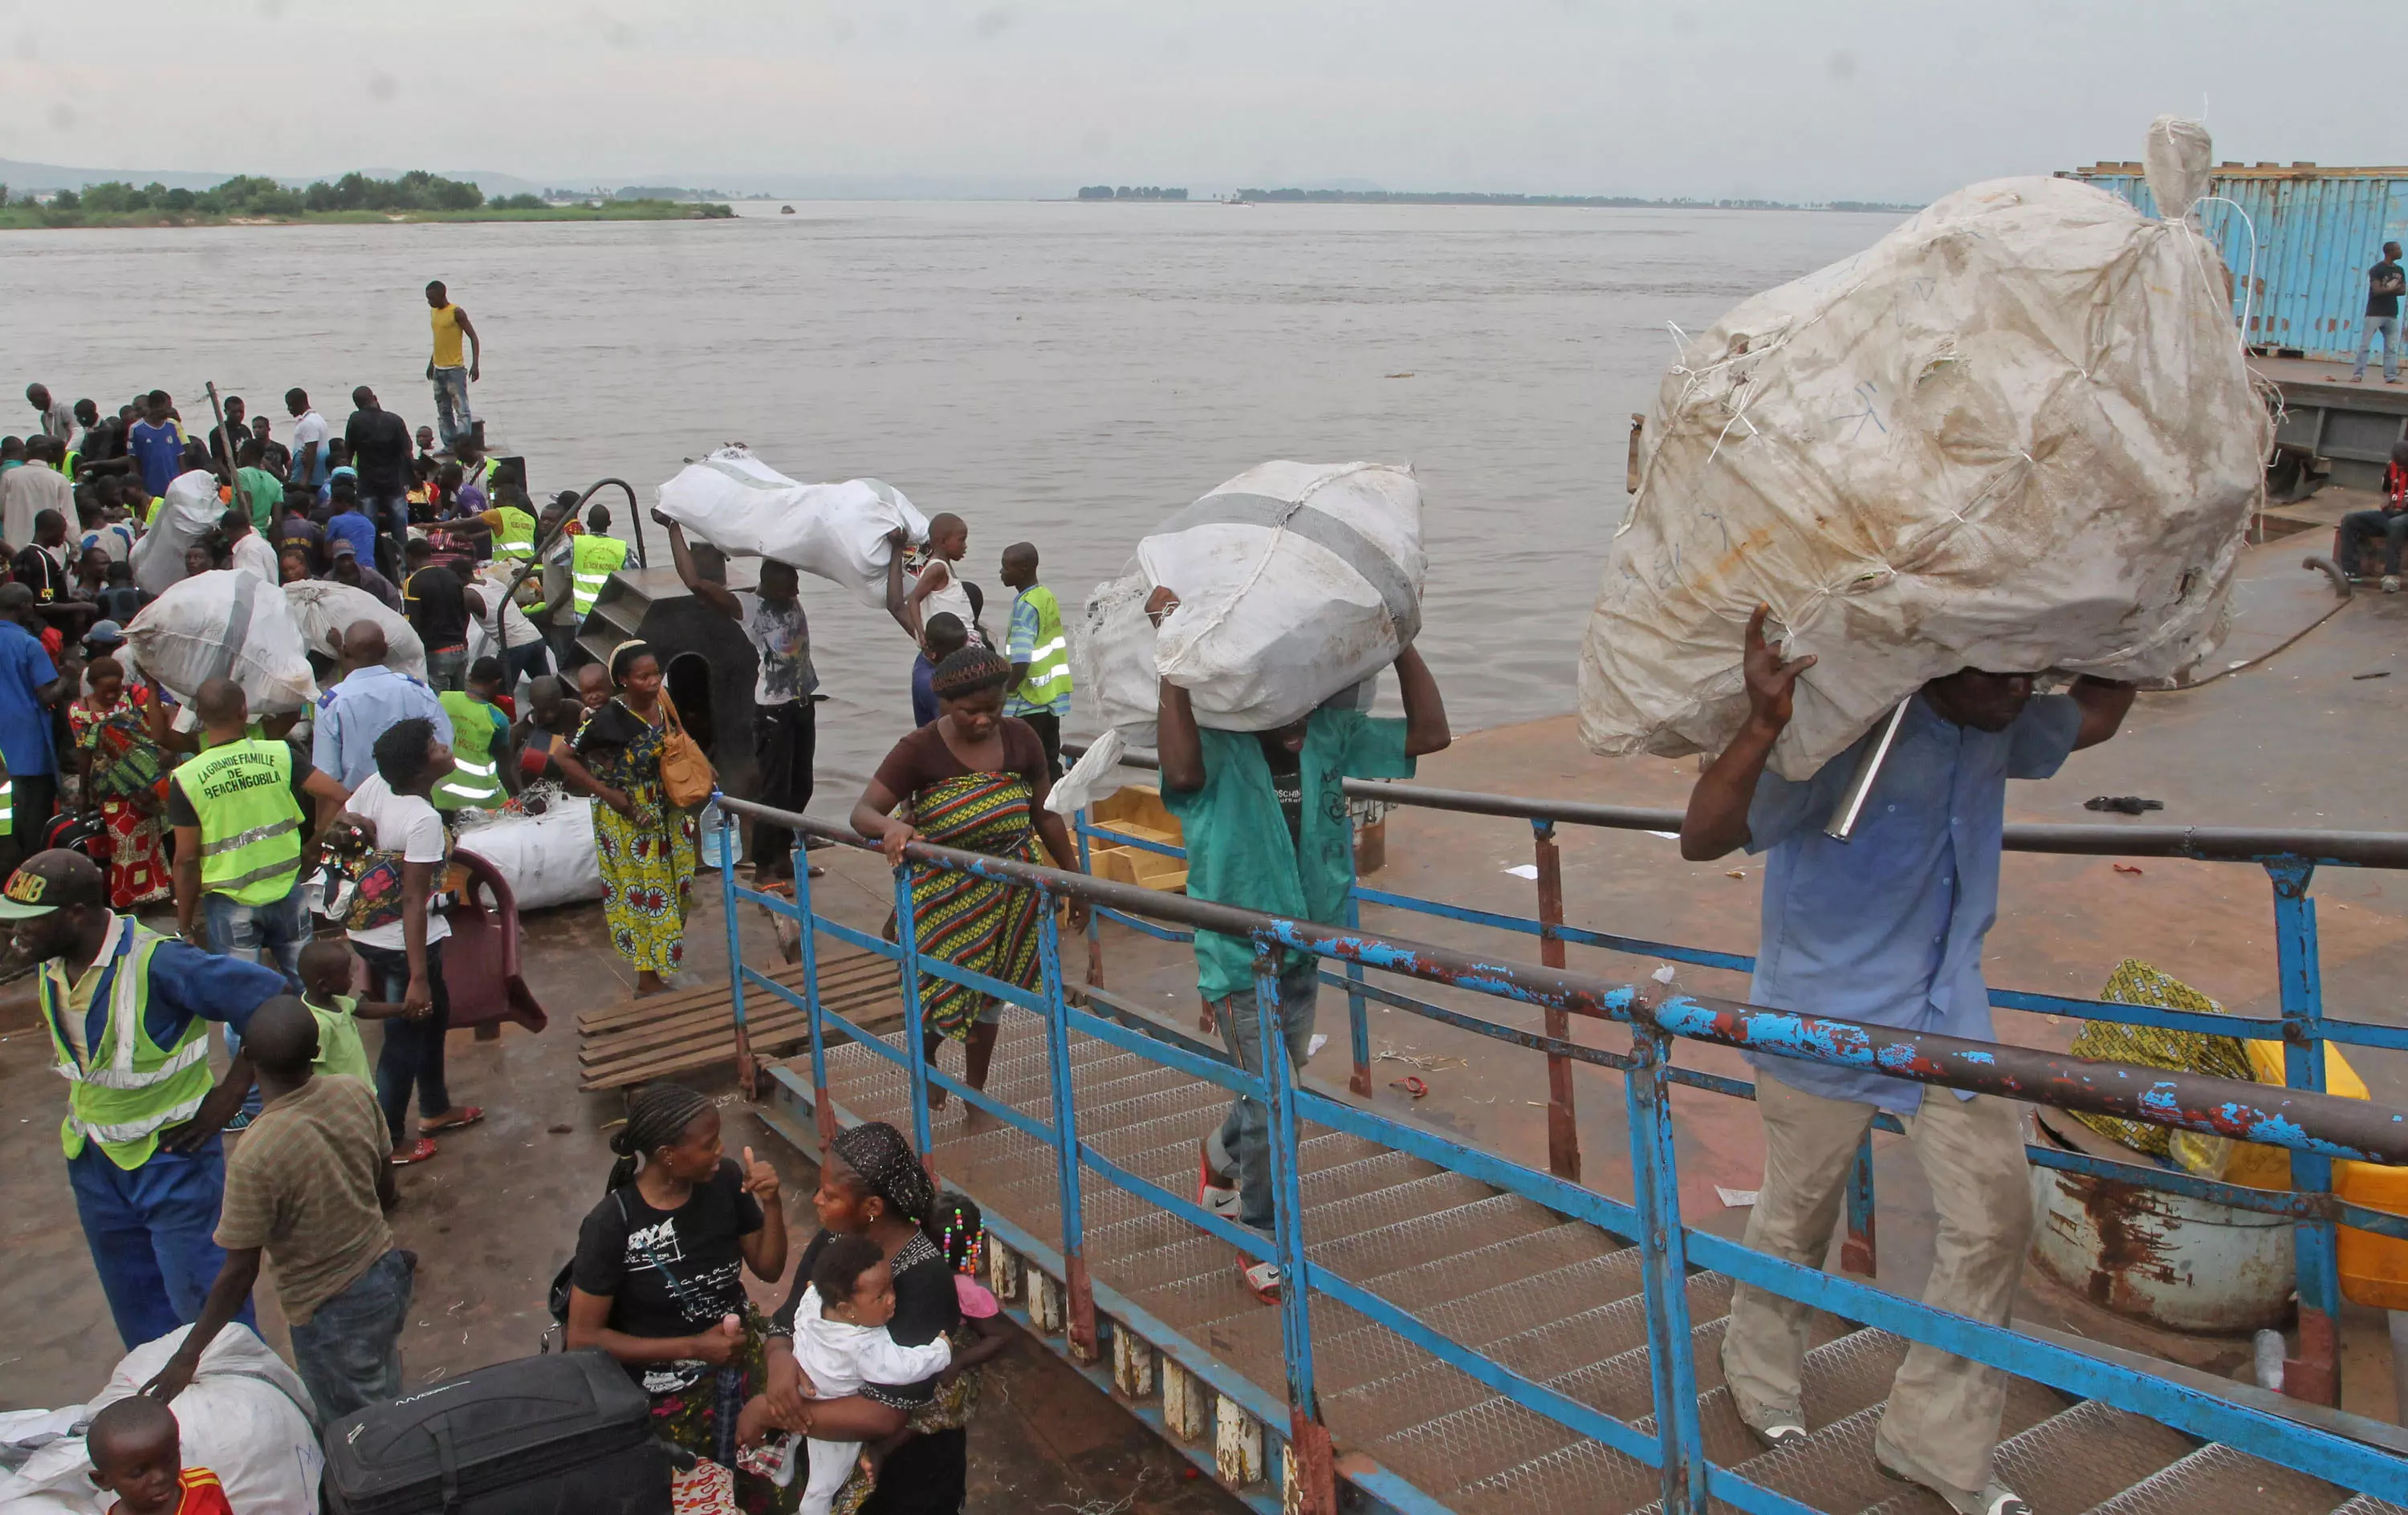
(841, 1343)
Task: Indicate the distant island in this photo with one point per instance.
(1407, 197)
(1126, 192)
(251, 200)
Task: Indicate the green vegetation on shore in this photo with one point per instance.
(251, 200)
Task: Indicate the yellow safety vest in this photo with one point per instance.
(593, 558)
(475, 782)
(252, 828)
(516, 538)
(128, 1089)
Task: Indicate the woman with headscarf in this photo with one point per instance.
(872, 1185)
(975, 779)
(658, 1276)
(646, 846)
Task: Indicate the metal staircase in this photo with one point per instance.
(1557, 1301)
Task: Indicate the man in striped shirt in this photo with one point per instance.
(1040, 650)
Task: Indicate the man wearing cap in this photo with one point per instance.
(127, 1010)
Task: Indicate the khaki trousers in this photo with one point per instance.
(1943, 1417)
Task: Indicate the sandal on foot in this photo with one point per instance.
(468, 1117)
(413, 1151)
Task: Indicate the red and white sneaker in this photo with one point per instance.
(1214, 1194)
(1261, 1277)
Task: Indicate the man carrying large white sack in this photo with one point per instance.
(1885, 928)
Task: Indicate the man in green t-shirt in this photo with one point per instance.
(1267, 829)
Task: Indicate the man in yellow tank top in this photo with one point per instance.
(444, 368)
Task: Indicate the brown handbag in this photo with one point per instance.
(686, 778)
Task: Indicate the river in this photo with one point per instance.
(1067, 373)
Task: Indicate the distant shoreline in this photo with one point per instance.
(21, 218)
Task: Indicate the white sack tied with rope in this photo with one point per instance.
(2016, 434)
(1296, 583)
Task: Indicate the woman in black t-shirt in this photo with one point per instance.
(658, 1279)
(873, 1186)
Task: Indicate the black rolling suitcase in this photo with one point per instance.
(565, 1435)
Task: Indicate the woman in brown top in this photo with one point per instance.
(975, 779)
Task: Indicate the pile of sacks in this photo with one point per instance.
(2018, 434)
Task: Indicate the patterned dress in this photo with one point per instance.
(125, 766)
(977, 923)
(649, 859)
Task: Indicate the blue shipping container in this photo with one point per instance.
(2316, 233)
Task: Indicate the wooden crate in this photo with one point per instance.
(1137, 810)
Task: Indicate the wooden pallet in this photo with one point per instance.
(670, 1034)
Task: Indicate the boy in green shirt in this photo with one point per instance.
(1267, 829)
(258, 490)
(325, 989)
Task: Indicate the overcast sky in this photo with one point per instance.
(1740, 97)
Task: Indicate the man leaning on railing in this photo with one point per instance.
(1266, 824)
(1886, 928)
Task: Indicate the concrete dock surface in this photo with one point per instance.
(2301, 736)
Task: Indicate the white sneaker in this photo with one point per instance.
(1263, 1278)
(1214, 1192)
(1996, 1498)
(2391, 583)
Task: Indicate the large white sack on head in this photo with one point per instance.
(246, 1417)
(2016, 434)
(546, 859)
(225, 624)
(322, 607)
(187, 512)
(740, 504)
(1296, 582)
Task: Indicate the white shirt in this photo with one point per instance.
(408, 824)
(838, 1358)
(25, 493)
(505, 623)
(114, 538)
(252, 556)
(308, 430)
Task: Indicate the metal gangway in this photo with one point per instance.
(1476, 1334)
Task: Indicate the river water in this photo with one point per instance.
(1065, 373)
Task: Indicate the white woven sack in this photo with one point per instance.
(2016, 434)
(743, 506)
(225, 624)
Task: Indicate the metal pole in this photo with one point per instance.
(1316, 1473)
(1081, 1297)
(1664, 1269)
(747, 1070)
(1358, 1025)
(906, 935)
(1563, 1128)
(823, 1112)
(1094, 918)
(2314, 1374)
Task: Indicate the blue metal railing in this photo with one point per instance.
(2289, 859)
(2311, 1125)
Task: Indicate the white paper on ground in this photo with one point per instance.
(1313, 1047)
(1662, 975)
(1737, 1199)
(1524, 870)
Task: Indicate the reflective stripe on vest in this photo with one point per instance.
(516, 539)
(131, 1088)
(251, 826)
(8, 805)
(1049, 660)
(475, 780)
(591, 560)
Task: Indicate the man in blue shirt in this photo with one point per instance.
(369, 701)
(143, 1153)
(1886, 929)
(157, 442)
(30, 686)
